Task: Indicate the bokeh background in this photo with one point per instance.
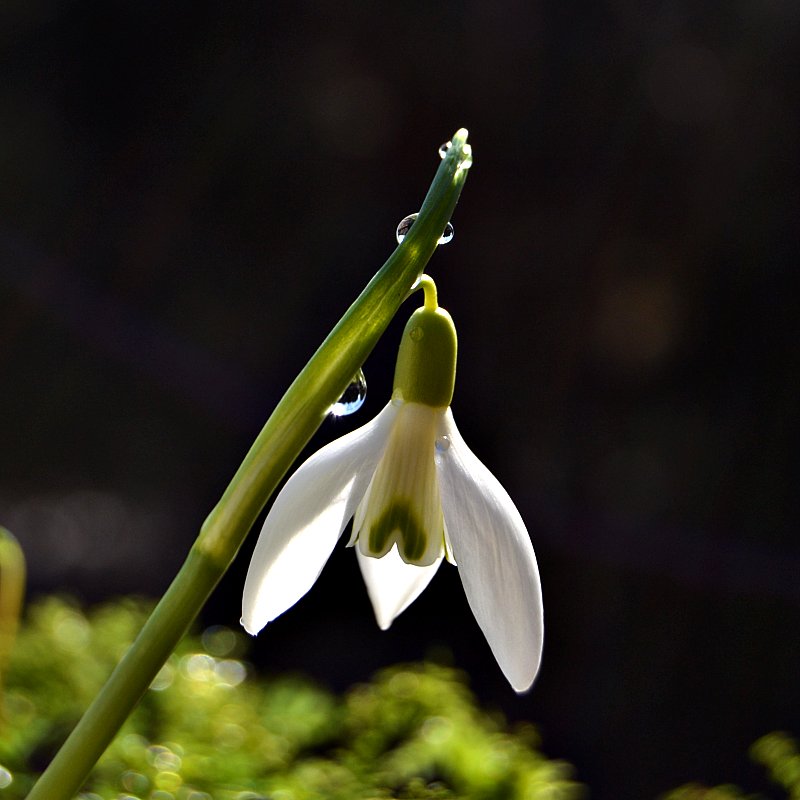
(192, 194)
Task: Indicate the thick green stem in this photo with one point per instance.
(298, 415)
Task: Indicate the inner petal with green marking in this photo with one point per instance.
(402, 505)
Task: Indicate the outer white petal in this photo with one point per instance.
(307, 519)
(495, 559)
(393, 585)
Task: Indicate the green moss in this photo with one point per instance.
(210, 729)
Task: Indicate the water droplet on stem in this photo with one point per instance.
(352, 398)
(466, 150)
(466, 162)
(405, 226)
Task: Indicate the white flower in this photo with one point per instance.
(417, 494)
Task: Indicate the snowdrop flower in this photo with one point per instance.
(417, 495)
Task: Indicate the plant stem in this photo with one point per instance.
(293, 422)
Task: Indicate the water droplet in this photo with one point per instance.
(466, 150)
(405, 226)
(466, 162)
(353, 397)
(6, 778)
(416, 334)
(443, 443)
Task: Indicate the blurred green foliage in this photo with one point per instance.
(209, 729)
(776, 752)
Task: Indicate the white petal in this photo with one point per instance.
(392, 584)
(307, 519)
(495, 559)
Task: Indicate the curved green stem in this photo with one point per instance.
(292, 423)
(428, 286)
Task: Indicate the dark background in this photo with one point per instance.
(191, 195)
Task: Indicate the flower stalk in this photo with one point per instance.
(293, 422)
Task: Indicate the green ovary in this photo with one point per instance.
(399, 522)
(426, 364)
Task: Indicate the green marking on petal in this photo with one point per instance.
(399, 519)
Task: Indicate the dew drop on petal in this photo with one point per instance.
(353, 397)
(405, 226)
(443, 149)
(443, 443)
